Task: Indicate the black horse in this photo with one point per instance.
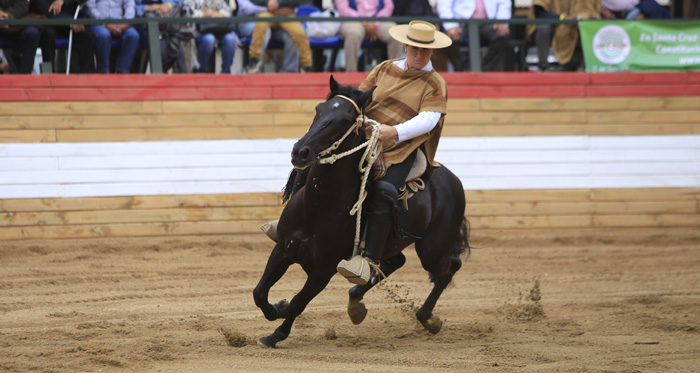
(316, 229)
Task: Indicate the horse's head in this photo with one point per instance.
(333, 119)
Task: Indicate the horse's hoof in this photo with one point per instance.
(282, 308)
(268, 342)
(433, 324)
(357, 311)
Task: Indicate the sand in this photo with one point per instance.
(561, 301)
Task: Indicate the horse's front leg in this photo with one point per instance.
(356, 308)
(315, 283)
(277, 265)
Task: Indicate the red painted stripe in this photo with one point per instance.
(136, 87)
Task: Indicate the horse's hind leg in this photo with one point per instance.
(440, 279)
(356, 308)
(315, 283)
(277, 265)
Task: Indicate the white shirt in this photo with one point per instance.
(422, 123)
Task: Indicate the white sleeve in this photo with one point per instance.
(422, 123)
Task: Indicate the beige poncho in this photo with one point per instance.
(400, 96)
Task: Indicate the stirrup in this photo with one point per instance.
(356, 270)
(270, 229)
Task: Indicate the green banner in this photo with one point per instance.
(611, 46)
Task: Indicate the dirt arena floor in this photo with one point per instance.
(598, 301)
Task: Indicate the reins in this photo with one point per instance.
(370, 155)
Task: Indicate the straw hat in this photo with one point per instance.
(420, 34)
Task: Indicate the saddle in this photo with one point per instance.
(413, 182)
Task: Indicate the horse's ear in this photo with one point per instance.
(334, 84)
(366, 96)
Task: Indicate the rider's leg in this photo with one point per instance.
(270, 228)
(383, 198)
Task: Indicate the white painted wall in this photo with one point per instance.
(45, 170)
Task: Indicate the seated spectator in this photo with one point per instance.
(82, 59)
(206, 37)
(4, 66)
(353, 33)
(495, 35)
(279, 8)
(47, 34)
(26, 36)
(113, 9)
(633, 9)
(174, 37)
(290, 54)
(563, 38)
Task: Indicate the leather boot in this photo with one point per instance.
(379, 223)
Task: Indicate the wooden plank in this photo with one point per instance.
(609, 129)
(634, 116)
(229, 214)
(238, 106)
(582, 195)
(654, 220)
(516, 91)
(80, 108)
(543, 104)
(539, 208)
(140, 202)
(131, 230)
(150, 134)
(462, 105)
(642, 103)
(137, 121)
(26, 135)
(532, 222)
(646, 194)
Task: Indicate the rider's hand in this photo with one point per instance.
(387, 132)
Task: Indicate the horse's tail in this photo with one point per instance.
(462, 245)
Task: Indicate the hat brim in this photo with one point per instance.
(400, 33)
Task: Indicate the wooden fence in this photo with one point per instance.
(67, 113)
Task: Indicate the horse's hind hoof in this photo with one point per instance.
(268, 342)
(433, 324)
(357, 311)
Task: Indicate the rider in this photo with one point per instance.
(410, 101)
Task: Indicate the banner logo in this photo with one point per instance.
(611, 44)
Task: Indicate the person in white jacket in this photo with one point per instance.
(494, 35)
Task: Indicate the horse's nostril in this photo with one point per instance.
(304, 152)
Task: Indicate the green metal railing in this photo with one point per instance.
(153, 32)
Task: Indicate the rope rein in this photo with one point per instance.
(370, 155)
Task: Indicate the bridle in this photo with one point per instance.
(370, 155)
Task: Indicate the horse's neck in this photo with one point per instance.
(336, 183)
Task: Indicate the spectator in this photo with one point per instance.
(129, 37)
(563, 38)
(208, 36)
(632, 9)
(290, 54)
(174, 37)
(82, 59)
(495, 35)
(353, 33)
(26, 36)
(279, 8)
(47, 34)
